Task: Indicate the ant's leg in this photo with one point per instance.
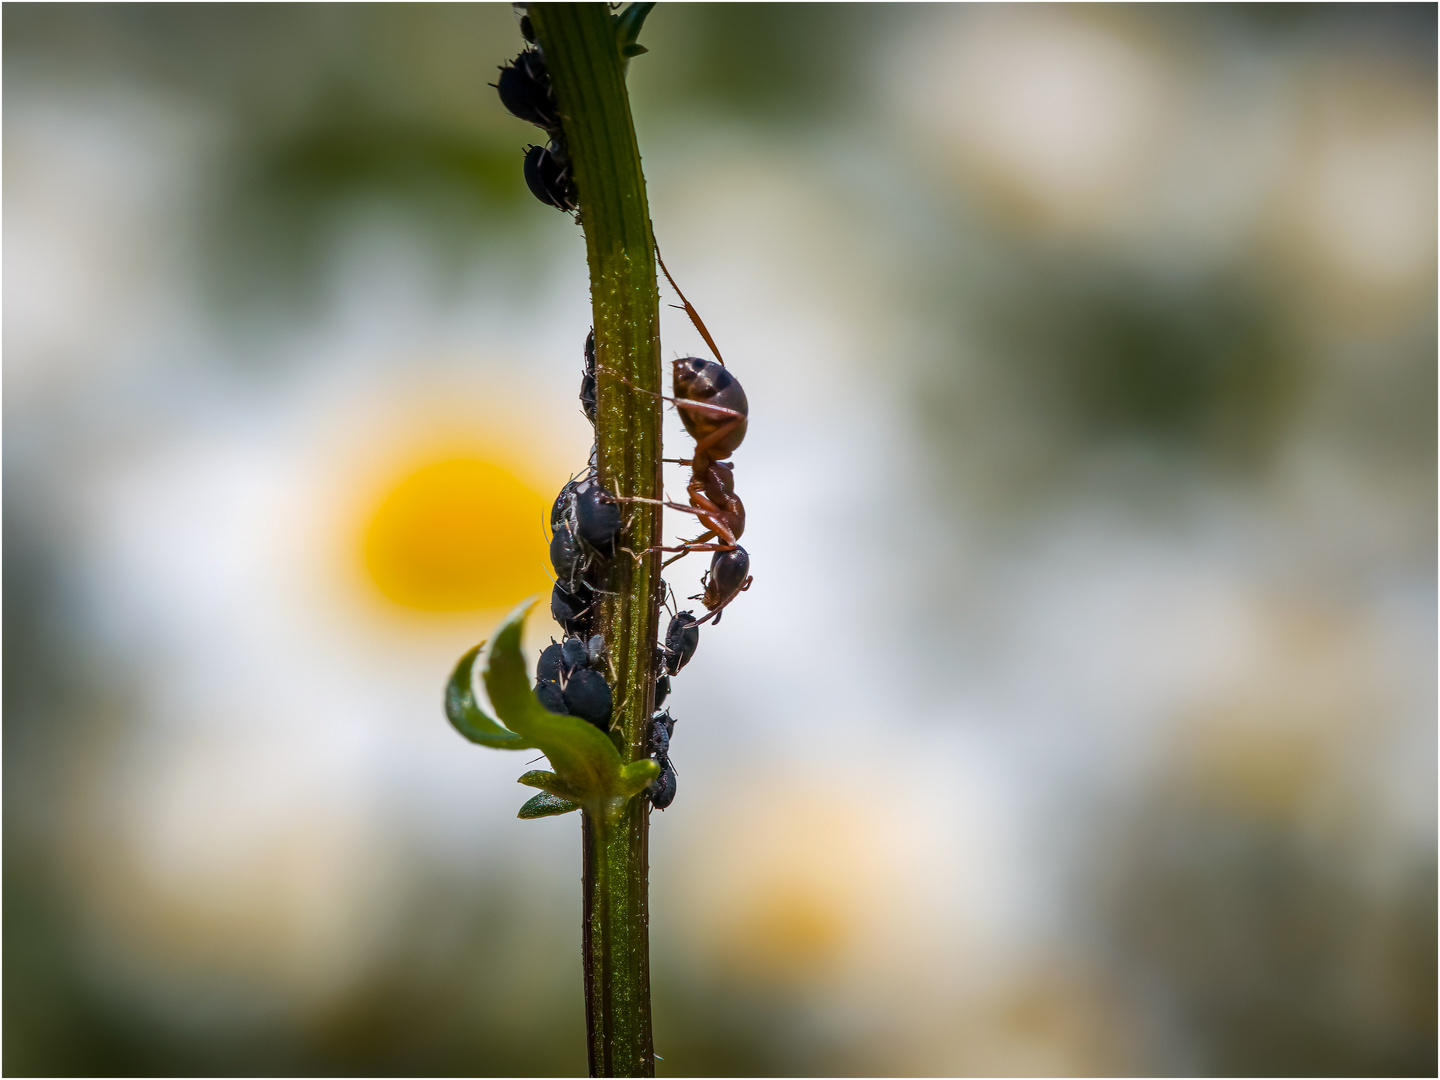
(702, 445)
(637, 389)
(700, 512)
(702, 503)
(673, 400)
(689, 309)
(710, 514)
(686, 402)
(720, 520)
(708, 535)
(721, 524)
(688, 547)
(721, 410)
(706, 508)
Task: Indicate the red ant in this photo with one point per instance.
(713, 408)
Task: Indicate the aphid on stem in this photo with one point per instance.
(657, 740)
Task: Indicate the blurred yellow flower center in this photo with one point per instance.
(458, 535)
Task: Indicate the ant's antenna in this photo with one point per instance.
(689, 310)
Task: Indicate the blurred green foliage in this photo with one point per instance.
(1190, 367)
(321, 112)
(1246, 926)
(772, 64)
(293, 192)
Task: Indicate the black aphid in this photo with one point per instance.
(560, 509)
(551, 697)
(524, 87)
(587, 381)
(573, 654)
(548, 669)
(547, 174)
(587, 695)
(597, 516)
(565, 554)
(572, 607)
(596, 652)
(682, 637)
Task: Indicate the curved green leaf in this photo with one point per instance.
(466, 715)
(546, 805)
(638, 775)
(588, 768)
(627, 29)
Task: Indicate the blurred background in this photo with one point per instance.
(1081, 719)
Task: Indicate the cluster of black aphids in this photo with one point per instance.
(585, 524)
(570, 679)
(681, 638)
(657, 741)
(585, 527)
(524, 88)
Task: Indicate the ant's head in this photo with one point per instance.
(728, 577)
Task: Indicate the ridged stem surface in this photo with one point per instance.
(588, 76)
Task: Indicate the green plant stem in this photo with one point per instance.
(588, 76)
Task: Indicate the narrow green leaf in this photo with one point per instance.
(546, 805)
(548, 781)
(466, 715)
